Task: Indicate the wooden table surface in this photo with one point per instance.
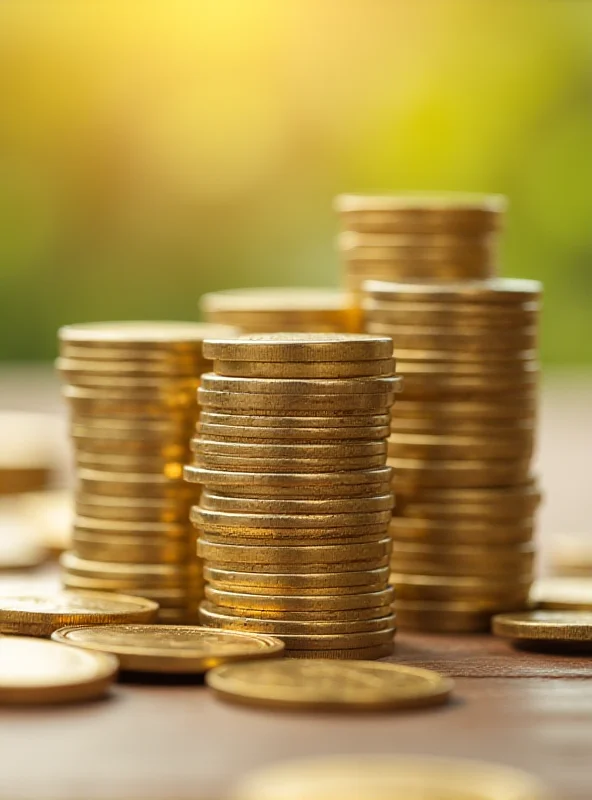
(177, 741)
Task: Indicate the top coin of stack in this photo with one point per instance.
(294, 515)
(461, 446)
(283, 309)
(424, 237)
(131, 388)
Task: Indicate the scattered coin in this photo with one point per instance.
(37, 672)
(383, 777)
(328, 685)
(170, 648)
(546, 627)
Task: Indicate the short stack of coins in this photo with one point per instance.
(294, 515)
(461, 446)
(283, 309)
(130, 387)
(425, 237)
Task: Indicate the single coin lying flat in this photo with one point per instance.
(546, 627)
(40, 615)
(170, 648)
(330, 685)
(36, 671)
(389, 778)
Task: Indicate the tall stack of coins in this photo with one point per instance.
(294, 516)
(283, 309)
(425, 237)
(131, 389)
(461, 446)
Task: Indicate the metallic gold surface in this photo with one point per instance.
(170, 648)
(39, 672)
(323, 685)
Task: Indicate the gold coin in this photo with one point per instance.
(39, 615)
(412, 337)
(347, 615)
(497, 371)
(544, 626)
(299, 347)
(165, 530)
(456, 212)
(174, 596)
(37, 672)
(288, 626)
(134, 510)
(313, 554)
(563, 594)
(342, 641)
(288, 465)
(453, 531)
(468, 251)
(418, 387)
(500, 359)
(480, 592)
(78, 369)
(263, 483)
(236, 433)
(440, 617)
(518, 406)
(304, 387)
(358, 272)
(141, 335)
(468, 560)
(495, 290)
(410, 445)
(351, 653)
(380, 777)
(297, 405)
(350, 423)
(126, 452)
(133, 386)
(134, 463)
(300, 602)
(519, 428)
(306, 369)
(262, 505)
(515, 501)
(322, 452)
(327, 685)
(289, 583)
(149, 359)
(307, 568)
(403, 312)
(134, 485)
(150, 574)
(202, 517)
(130, 550)
(462, 474)
(169, 649)
(123, 404)
(293, 537)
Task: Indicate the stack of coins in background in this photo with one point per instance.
(283, 309)
(461, 446)
(131, 391)
(427, 237)
(294, 516)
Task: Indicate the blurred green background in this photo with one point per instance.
(151, 151)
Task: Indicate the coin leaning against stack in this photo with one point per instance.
(461, 446)
(418, 237)
(296, 504)
(283, 309)
(130, 387)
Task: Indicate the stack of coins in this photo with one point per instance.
(425, 237)
(131, 391)
(283, 309)
(294, 516)
(461, 446)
